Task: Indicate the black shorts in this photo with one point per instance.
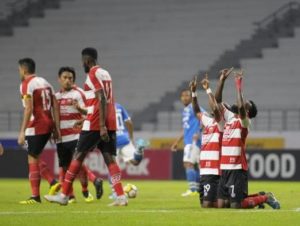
(208, 188)
(36, 144)
(65, 152)
(233, 185)
(88, 140)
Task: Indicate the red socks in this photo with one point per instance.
(115, 174)
(70, 176)
(91, 176)
(252, 201)
(45, 172)
(61, 175)
(83, 178)
(34, 178)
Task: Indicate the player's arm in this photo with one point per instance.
(129, 126)
(177, 141)
(193, 88)
(220, 86)
(214, 106)
(28, 109)
(240, 99)
(102, 113)
(56, 118)
(1, 149)
(79, 108)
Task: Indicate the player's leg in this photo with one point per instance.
(48, 175)
(209, 187)
(65, 152)
(88, 175)
(190, 157)
(222, 193)
(87, 142)
(109, 152)
(35, 147)
(139, 148)
(238, 188)
(129, 154)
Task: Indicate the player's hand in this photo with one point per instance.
(21, 138)
(193, 84)
(238, 77)
(56, 135)
(174, 146)
(104, 134)
(1, 149)
(78, 124)
(205, 82)
(75, 104)
(225, 73)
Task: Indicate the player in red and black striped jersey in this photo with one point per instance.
(71, 101)
(211, 145)
(99, 128)
(40, 120)
(233, 186)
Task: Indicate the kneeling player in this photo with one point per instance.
(211, 145)
(234, 179)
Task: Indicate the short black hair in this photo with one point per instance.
(91, 52)
(185, 90)
(28, 63)
(67, 69)
(252, 110)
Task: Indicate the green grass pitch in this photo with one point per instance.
(158, 203)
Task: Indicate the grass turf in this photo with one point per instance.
(158, 203)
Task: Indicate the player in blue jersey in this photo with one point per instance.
(126, 150)
(191, 136)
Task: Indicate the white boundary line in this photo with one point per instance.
(3, 213)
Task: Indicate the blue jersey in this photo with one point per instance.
(122, 133)
(191, 125)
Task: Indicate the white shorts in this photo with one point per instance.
(126, 153)
(191, 153)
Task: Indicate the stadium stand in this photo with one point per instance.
(150, 47)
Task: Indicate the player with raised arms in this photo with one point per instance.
(210, 153)
(233, 186)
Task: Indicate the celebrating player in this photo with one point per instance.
(99, 129)
(233, 185)
(192, 141)
(211, 145)
(40, 108)
(71, 105)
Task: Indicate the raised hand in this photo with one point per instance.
(193, 84)
(205, 82)
(238, 77)
(225, 73)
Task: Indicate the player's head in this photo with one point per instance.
(186, 97)
(250, 106)
(26, 67)
(251, 109)
(66, 77)
(89, 58)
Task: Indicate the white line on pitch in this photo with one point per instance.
(143, 211)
